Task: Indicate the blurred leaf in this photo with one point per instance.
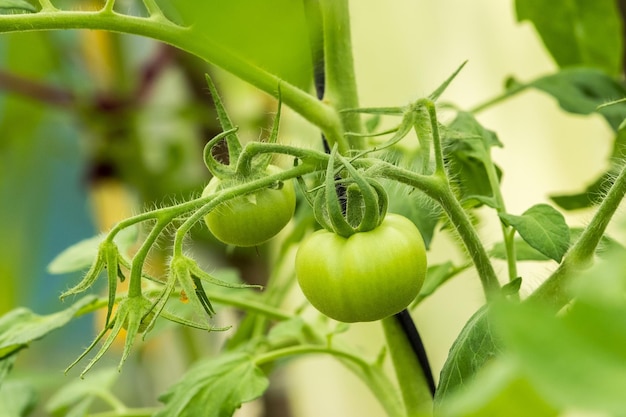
(288, 332)
(582, 90)
(75, 398)
(590, 196)
(577, 32)
(21, 326)
(499, 390)
(271, 34)
(544, 228)
(17, 399)
(436, 276)
(5, 367)
(16, 6)
(562, 355)
(215, 387)
(82, 254)
(475, 346)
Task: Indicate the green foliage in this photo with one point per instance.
(579, 32)
(215, 387)
(20, 327)
(543, 228)
(513, 357)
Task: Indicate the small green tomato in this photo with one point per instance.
(251, 219)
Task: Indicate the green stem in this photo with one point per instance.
(580, 256)
(504, 96)
(341, 90)
(437, 145)
(508, 233)
(439, 190)
(187, 39)
(370, 374)
(408, 371)
(134, 286)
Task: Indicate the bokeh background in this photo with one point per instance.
(82, 146)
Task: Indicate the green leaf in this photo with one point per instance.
(523, 251)
(273, 35)
(82, 254)
(577, 32)
(17, 399)
(75, 398)
(473, 348)
(6, 365)
(215, 387)
(21, 326)
(19, 6)
(436, 276)
(500, 389)
(562, 355)
(590, 196)
(583, 90)
(543, 228)
(467, 144)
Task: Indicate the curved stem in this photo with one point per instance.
(187, 39)
(439, 190)
(580, 256)
(371, 375)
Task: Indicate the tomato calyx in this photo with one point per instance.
(364, 204)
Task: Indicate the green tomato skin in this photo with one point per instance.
(252, 219)
(365, 277)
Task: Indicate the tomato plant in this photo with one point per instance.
(365, 277)
(254, 218)
(143, 123)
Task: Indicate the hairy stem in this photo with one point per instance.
(340, 90)
(439, 190)
(580, 256)
(187, 39)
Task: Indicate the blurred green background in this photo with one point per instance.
(94, 126)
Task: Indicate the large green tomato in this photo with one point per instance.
(365, 277)
(251, 219)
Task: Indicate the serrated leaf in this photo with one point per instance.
(21, 326)
(82, 254)
(543, 228)
(561, 355)
(76, 397)
(475, 346)
(17, 399)
(215, 387)
(577, 32)
(17, 5)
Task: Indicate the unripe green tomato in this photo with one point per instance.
(252, 219)
(365, 277)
